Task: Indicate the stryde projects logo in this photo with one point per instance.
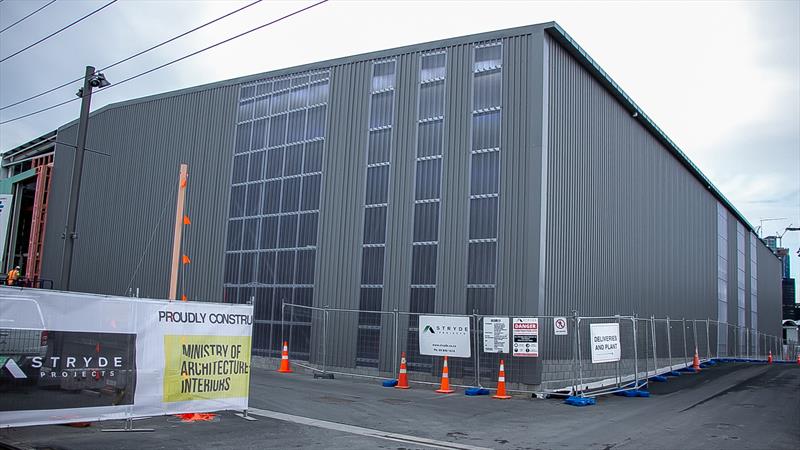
(445, 329)
(77, 366)
(14, 369)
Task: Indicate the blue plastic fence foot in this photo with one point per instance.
(633, 393)
(389, 383)
(626, 393)
(688, 370)
(580, 401)
(476, 391)
(673, 374)
(659, 378)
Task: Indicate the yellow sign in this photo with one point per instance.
(206, 367)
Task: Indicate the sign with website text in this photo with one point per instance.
(526, 336)
(67, 357)
(444, 335)
(605, 342)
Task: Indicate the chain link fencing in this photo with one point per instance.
(328, 341)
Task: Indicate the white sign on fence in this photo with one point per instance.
(83, 357)
(605, 342)
(560, 326)
(444, 335)
(526, 337)
(495, 334)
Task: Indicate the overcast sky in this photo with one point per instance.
(722, 79)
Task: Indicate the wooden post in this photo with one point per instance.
(176, 243)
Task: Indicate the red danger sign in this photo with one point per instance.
(526, 337)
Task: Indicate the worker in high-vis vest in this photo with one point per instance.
(13, 276)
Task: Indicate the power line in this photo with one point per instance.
(20, 20)
(39, 111)
(213, 45)
(173, 61)
(132, 56)
(59, 31)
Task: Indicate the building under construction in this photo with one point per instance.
(502, 172)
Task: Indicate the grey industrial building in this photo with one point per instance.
(503, 172)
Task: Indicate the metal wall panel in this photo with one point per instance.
(629, 229)
(338, 265)
(129, 196)
(521, 173)
(770, 309)
(400, 212)
(733, 272)
(451, 272)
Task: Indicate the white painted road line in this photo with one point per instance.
(352, 429)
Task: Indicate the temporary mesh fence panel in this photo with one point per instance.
(557, 353)
(619, 372)
(713, 336)
(362, 340)
(553, 368)
(663, 349)
(680, 349)
(427, 368)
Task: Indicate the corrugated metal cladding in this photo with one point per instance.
(127, 208)
(629, 229)
(769, 292)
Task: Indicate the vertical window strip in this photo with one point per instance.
(376, 191)
(267, 246)
(430, 117)
(484, 175)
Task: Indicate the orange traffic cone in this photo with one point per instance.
(402, 378)
(798, 360)
(285, 367)
(696, 361)
(501, 383)
(445, 387)
(769, 358)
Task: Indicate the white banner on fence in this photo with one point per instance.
(605, 342)
(495, 334)
(89, 357)
(526, 337)
(444, 335)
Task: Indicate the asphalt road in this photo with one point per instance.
(730, 406)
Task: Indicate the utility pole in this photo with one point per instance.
(70, 234)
